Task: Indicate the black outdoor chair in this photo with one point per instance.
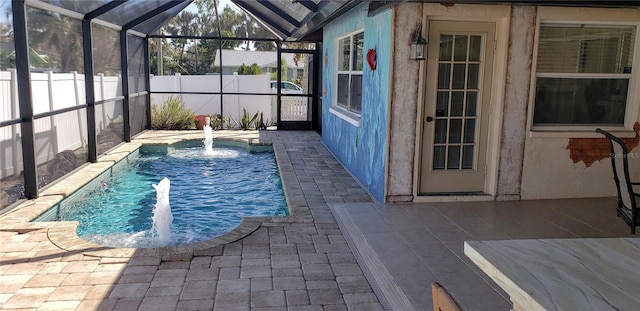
(627, 197)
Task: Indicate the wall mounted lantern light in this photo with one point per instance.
(418, 45)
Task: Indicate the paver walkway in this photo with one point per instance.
(302, 262)
(296, 263)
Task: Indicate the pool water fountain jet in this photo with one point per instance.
(208, 141)
(162, 217)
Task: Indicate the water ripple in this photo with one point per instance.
(209, 196)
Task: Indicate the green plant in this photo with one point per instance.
(231, 123)
(252, 69)
(246, 122)
(171, 115)
(260, 125)
(217, 121)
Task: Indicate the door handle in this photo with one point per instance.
(429, 119)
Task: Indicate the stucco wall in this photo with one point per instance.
(516, 99)
(525, 164)
(549, 172)
(548, 168)
(362, 149)
(404, 104)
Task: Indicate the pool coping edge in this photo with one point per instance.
(63, 233)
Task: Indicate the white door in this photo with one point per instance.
(456, 105)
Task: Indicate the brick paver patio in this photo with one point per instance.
(300, 262)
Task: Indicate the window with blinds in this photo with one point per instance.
(583, 74)
(349, 72)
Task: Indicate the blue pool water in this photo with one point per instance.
(209, 196)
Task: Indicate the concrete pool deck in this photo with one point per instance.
(338, 251)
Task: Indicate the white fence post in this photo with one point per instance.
(236, 89)
(104, 112)
(52, 119)
(178, 85)
(76, 89)
(15, 136)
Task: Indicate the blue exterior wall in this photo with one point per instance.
(363, 149)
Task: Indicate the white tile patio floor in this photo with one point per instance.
(301, 262)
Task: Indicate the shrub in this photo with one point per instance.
(231, 123)
(171, 115)
(247, 123)
(253, 69)
(217, 121)
(260, 125)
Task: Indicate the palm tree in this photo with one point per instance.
(182, 24)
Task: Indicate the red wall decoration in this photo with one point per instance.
(371, 59)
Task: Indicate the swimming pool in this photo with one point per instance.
(209, 195)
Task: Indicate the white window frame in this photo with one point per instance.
(346, 114)
(590, 16)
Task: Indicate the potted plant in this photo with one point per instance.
(201, 121)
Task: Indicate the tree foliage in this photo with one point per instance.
(283, 70)
(59, 38)
(188, 56)
(55, 43)
(252, 69)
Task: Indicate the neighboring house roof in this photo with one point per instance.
(7, 46)
(36, 60)
(235, 58)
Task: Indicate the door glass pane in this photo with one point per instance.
(457, 95)
(439, 156)
(442, 104)
(474, 76)
(440, 136)
(472, 103)
(467, 157)
(455, 131)
(444, 75)
(470, 131)
(460, 48)
(453, 157)
(457, 102)
(474, 48)
(458, 76)
(446, 46)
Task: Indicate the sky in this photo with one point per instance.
(6, 5)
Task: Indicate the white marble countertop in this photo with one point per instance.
(563, 274)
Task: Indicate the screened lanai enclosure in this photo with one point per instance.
(80, 77)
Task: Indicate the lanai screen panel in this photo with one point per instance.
(137, 83)
(283, 17)
(82, 7)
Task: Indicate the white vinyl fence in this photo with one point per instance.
(293, 108)
(209, 104)
(66, 131)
